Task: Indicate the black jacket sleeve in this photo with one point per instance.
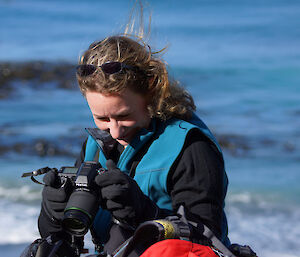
(196, 181)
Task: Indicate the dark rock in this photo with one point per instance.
(289, 147)
(36, 73)
(234, 144)
(268, 142)
(3, 149)
(44, 148)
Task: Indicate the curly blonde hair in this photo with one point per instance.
(165, 97)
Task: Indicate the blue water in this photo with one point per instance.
(239, 59)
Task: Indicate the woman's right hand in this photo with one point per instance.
(55, 195)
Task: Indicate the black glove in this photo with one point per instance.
(55, 195)
(122, 196)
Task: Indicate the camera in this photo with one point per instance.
(84, 200)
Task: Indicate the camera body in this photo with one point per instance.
(82, 177)
(84, 200)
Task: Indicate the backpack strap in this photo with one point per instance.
(204, 230)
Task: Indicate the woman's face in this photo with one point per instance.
(120, 114)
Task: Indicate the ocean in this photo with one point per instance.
(239, 59)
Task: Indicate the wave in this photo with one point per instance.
(269, 225)
(24, 193)
(270, 233)
(264, 221)
(18, 222)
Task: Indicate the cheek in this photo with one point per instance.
(143, 118)
(128, 123)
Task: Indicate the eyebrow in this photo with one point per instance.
(118, 115)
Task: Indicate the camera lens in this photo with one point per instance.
(76, 221)
(79, 213)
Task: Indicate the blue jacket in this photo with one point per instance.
(152, 171)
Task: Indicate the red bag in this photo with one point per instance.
(178, 248)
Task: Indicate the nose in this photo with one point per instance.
(115, 129)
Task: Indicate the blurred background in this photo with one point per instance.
(239, 59)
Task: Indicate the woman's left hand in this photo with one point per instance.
(122, 196)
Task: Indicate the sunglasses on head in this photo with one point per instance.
(84, 70)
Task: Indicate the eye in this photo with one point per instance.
(103, 119)
(123, 117)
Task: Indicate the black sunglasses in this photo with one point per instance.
(84, 70)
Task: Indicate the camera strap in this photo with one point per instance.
(34, 173)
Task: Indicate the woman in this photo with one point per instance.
(161, 155)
